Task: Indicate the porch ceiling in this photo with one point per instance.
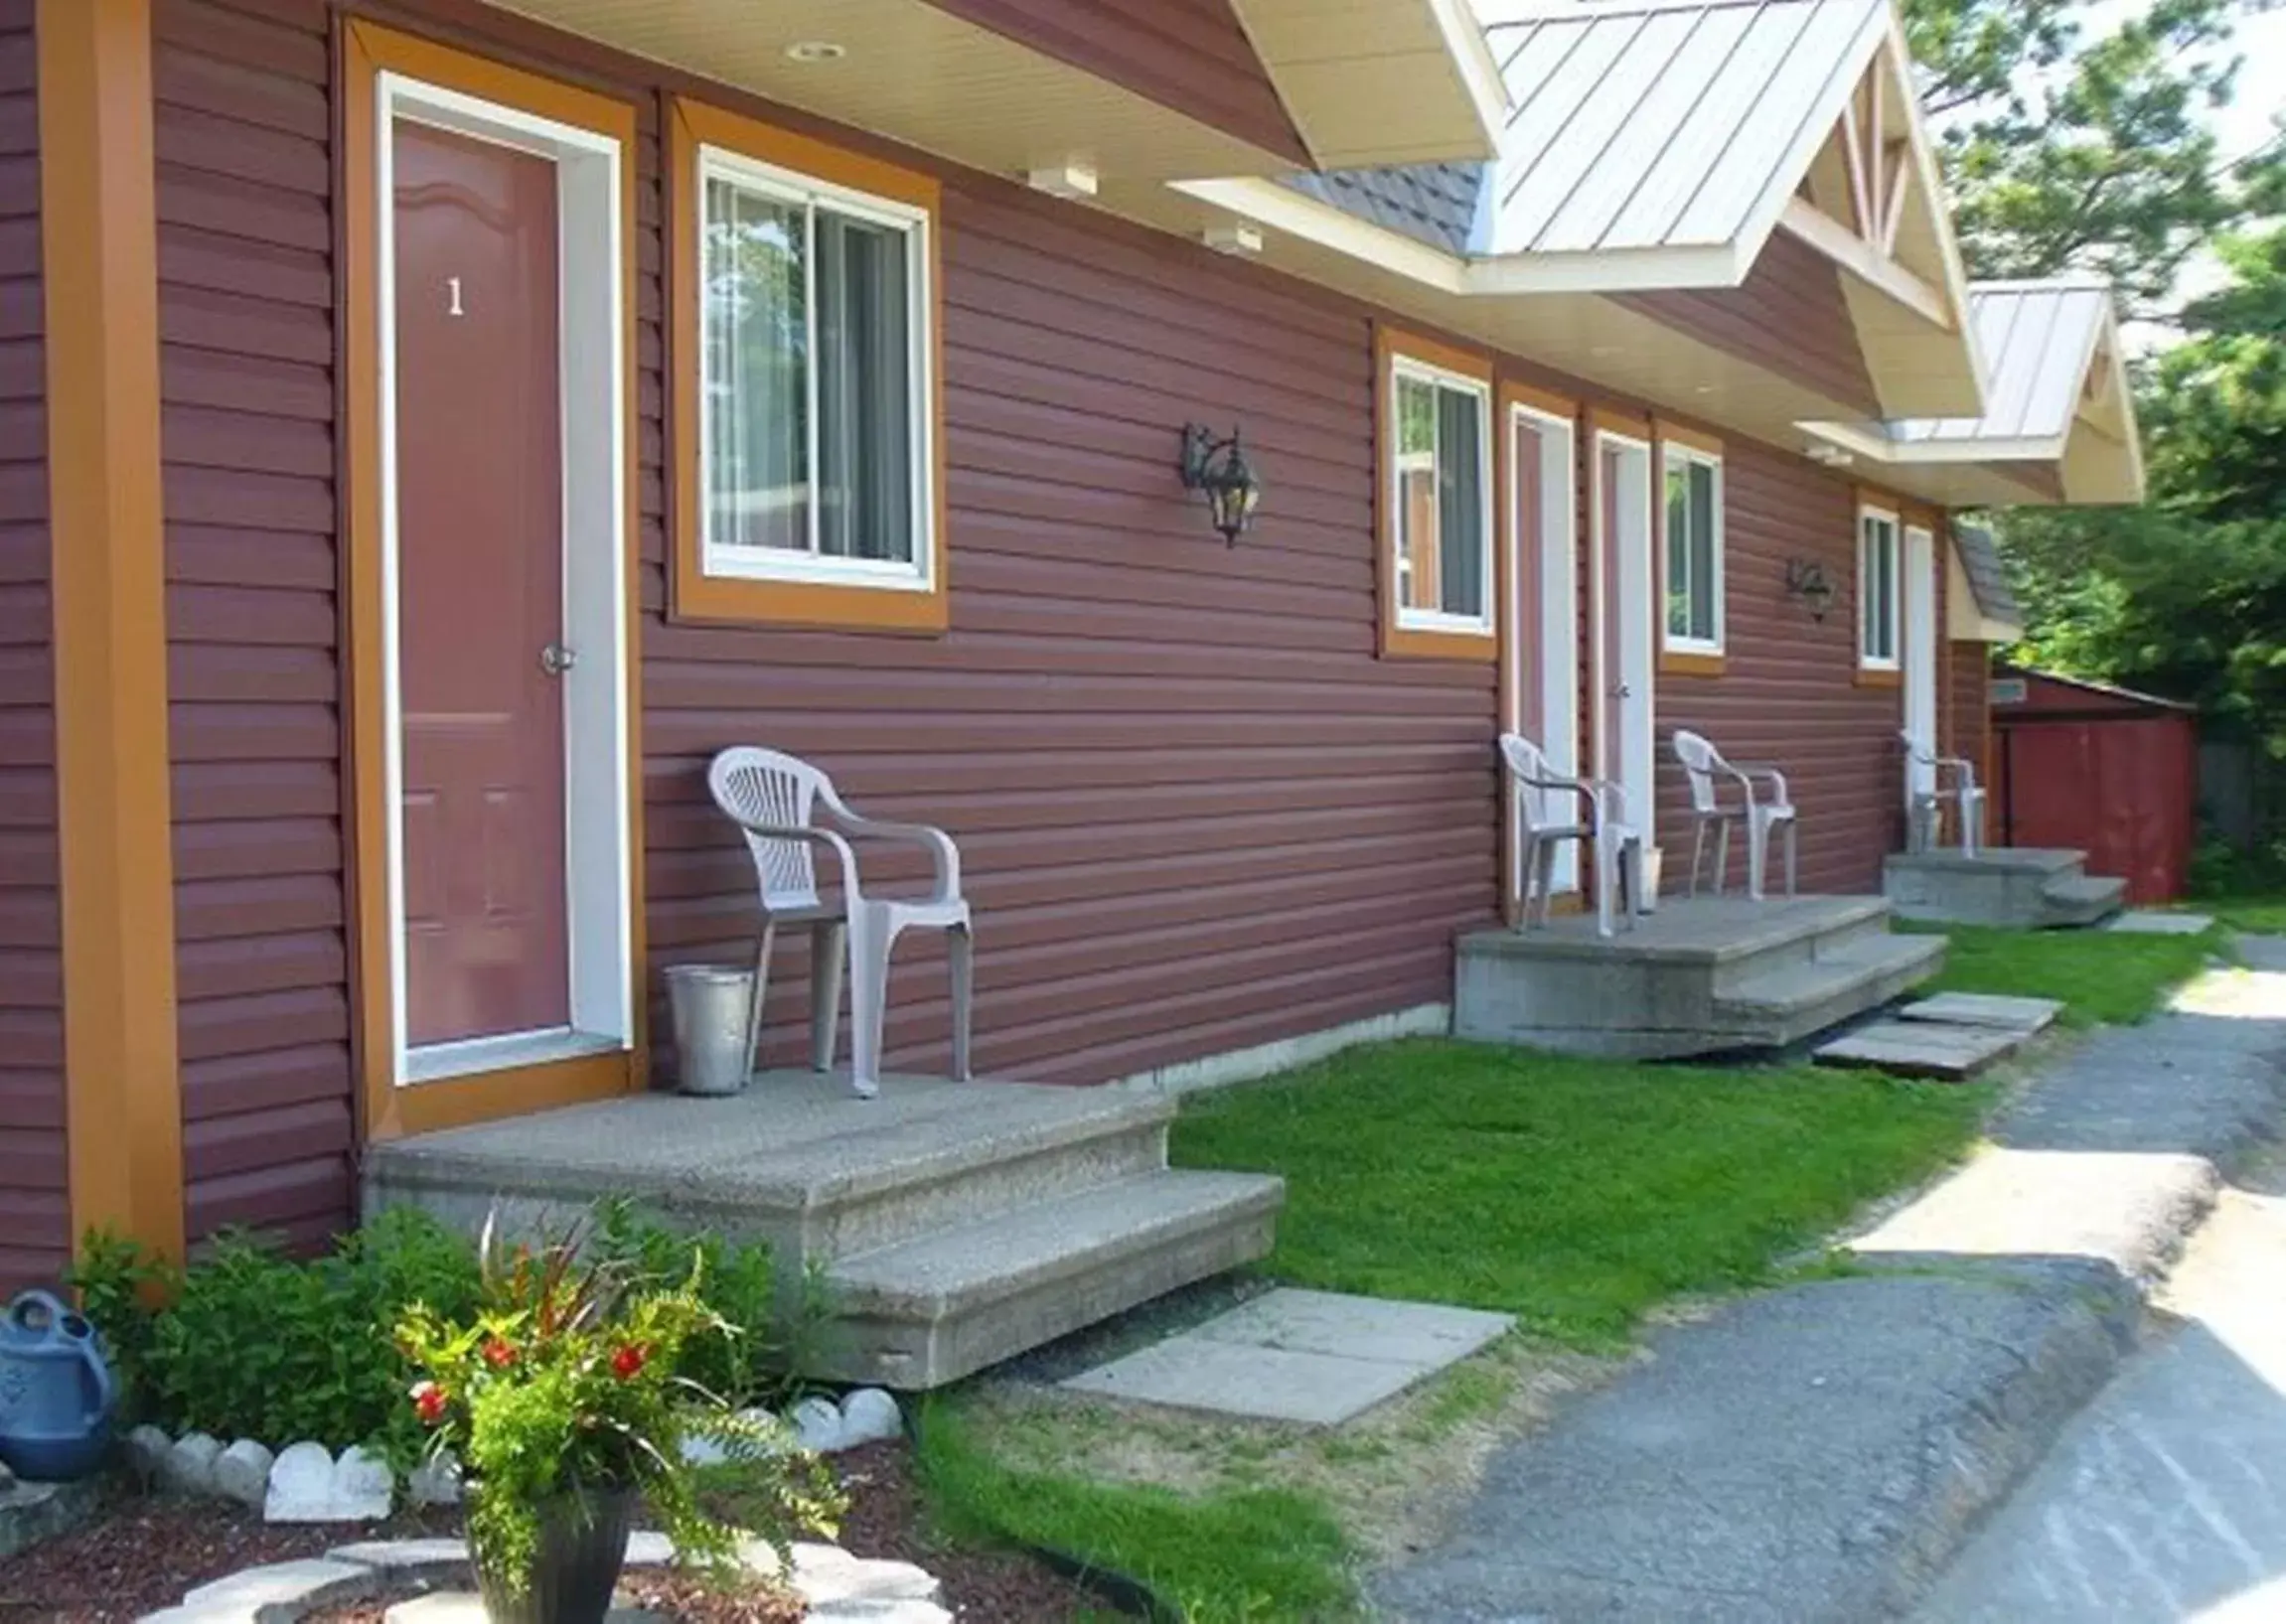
(916, 73)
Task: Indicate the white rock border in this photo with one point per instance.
(838, 1587)
(306, 1482)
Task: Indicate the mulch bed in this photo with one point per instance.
(145, 1554)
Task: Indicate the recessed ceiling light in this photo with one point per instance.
(807, 51)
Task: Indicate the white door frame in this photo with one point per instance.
(1920, 655)
(598, 859)
(1556, 634)
(1625, 676)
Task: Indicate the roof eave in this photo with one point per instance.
(1392, 81)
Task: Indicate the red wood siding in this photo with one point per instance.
(1189, 54)
(245, 268)
(1968, 713)
(1197, 812)
(35, 1212)
(1790, 694)
(1789, 316)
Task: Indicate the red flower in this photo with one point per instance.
(629, 1359)
(499, 1354)
(428, 1402)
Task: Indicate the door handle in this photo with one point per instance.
(1622, 691)
(555, 658)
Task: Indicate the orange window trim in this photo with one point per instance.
(123, 1112)
(389, 1110)
(1690, 663)
(694, 594)
(1390, 345)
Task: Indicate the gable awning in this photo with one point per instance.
(1657, 146)
(2059, 424)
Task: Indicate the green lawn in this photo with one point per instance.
(2262, 916)
(1229, 1557)
(1573, 1193)
(2100, 977)
(1577, 1194)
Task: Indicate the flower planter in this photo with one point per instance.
(582, 1547)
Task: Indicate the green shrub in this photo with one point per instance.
(247, 1341)
(260, 1345)
(118, 1283)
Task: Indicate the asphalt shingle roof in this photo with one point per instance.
(1987, 578)
(1434, 203)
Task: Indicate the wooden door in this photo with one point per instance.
(479, 583)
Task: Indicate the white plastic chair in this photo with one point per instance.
(1927, 805)
(1760, 810)
(780, 803)
(1594, 812)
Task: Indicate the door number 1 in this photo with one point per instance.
(452, 284)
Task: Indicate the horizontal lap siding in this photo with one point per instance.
(34, 1217)
(1968, 709)
(246, 230)
(1195, 811)
(1789, 694)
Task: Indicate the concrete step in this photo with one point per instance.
(933, 1310)
(795, 1159)
(1794, 1001)
(2002, 886)
(2075, 901)
(1946, 1051)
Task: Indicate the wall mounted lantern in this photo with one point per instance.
(1220, 469)
(1807, 580)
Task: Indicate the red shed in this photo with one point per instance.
(2104, 768)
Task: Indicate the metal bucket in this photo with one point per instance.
(711, 1003)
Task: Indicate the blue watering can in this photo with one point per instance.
(56, 1391)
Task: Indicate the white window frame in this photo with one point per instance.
(1670, 641)
(729, 561)
(1895, 659)
(1486, 619)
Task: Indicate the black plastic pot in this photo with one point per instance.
(582, 1547)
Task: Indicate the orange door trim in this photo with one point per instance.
(388, 1111)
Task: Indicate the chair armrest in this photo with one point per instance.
(1749, 770)
(1963, 769)
(942, 853)
(840, 848)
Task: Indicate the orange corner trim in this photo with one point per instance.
(123, 1112)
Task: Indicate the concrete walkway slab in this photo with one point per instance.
(1930, 1049)
(2151, 921)
(1317, 1358)
(2026, 1015)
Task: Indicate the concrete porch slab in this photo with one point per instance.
(2028, 1015)
(1314, 1358)
(2151, 921)
(1929, 1049)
